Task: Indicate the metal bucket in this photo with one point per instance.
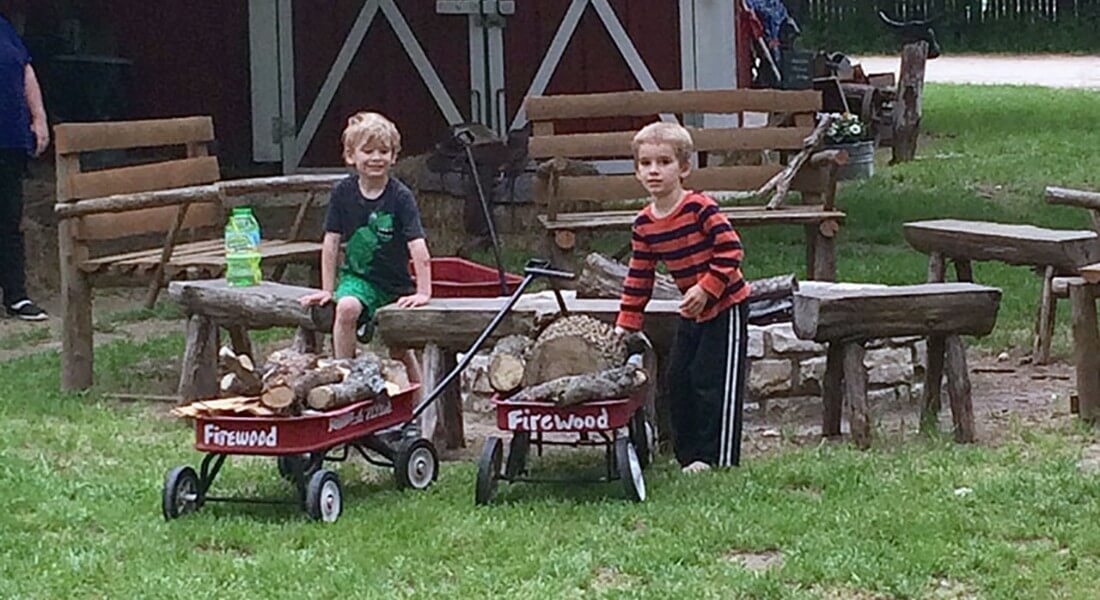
(861, 160)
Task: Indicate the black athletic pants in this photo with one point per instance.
(13, 278)
(706, 379)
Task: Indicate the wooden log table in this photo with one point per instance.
(845, 317)
(1052, 252)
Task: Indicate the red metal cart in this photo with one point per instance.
(620, 425)
(301, 445)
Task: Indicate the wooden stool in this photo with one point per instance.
(845, 318)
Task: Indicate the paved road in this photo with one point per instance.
(1052, 70)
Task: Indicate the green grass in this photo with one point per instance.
(28, 337)
(80, 517)
(81, 475)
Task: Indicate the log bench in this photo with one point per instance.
(844, 318)
(156, 217)
(576, 203)
(1052, 252)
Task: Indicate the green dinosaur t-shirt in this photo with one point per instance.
(376, 232)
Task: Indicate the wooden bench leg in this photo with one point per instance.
(199, 376)
(933, 380)
(832, 393)
(964, 271)
(441, 422)
(450, 407)
(855, 393)
(958, 386)
(240, 341)
(77, 349)
(937, 268)
(821, 251)
(1086, 350)
(1044, 327)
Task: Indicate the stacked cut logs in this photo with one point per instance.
(291, 381)
(575, 359)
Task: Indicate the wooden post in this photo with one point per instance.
(958, 386)
(824, 242)
(933, 381)
(1044, 328)
(963, 270)
(199, 375)
(450, 406)
(908, 107)
(431, 371)
(1086, 350)
(832, 393)
(855, 393)
(241, 342)
(811, 251)
(77, 351)
(937, 268)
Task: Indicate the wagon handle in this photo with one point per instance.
(535, 268)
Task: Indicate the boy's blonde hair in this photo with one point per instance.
(365, 127)
(673, 134)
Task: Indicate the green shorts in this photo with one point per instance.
(369, 295)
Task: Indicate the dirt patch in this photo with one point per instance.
(610, 578)
(756, 561)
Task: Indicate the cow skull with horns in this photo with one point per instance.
(914, 31)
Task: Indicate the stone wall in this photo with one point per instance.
(785, 370)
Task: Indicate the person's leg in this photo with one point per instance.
(719, 377)
(348, 309)
(681, 401)
(12, 261)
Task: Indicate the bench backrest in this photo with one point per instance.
(549, 113)
(75, 184)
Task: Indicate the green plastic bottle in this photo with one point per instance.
(242, 249)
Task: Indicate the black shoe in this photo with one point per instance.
(364, 332)
(27, 311)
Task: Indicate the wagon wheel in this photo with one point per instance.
(643, 437)
(518, 450)
(324, 496)
(488, 470)
(416, 465)
(181, 493)
(630, 469)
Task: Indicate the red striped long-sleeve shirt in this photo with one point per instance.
(697, 244)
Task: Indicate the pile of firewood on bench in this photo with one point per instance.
(292, 381)
(572, 360)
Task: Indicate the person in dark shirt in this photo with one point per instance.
(23, 132)
(376, 216)
(685, 230)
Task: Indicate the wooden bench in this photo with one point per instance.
(1051, 252)
(845, 318)
(585, 203)
(147, 223)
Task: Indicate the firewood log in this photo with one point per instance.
(331, 373)
(506, 363)
(363, 381)
(232, 384)
(573, 345)
(279, 398)
(239, 375)
(617, 382)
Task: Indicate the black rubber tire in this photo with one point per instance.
(488, 470)
(518, 451)
(643, 436)
(324, 496)
(416, 465)
(179, 483)
(630, 469)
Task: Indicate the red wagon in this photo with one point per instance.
(618, 425)
(301, 445)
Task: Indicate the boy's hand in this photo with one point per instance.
(319, 298)
(695, 300)
(413, 300)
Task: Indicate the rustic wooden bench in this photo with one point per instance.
(150, 222)
(586, 203)
(1051, 252)
(845, 318)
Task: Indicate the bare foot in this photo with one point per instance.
(696, 467)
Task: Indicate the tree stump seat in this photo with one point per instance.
(845, 317)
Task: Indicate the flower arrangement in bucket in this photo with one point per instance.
(848, 132)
